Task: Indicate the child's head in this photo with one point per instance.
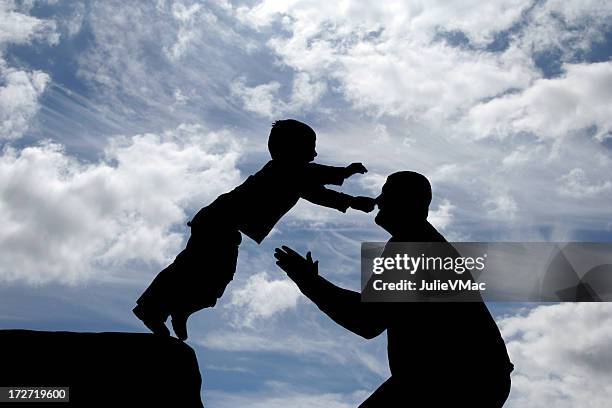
(291, 140)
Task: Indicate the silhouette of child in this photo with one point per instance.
(199, 274)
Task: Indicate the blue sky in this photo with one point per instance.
(118, 121)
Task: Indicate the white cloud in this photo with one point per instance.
(562, 355)
(19, 28)
(305, 92)
(580, 99)
(262, 298)
(522, 155)
(20, 89)
(141, 52)
(265, 99)
(75, 21)
(19, 99)
(261, 99)
(386, 58)
(69, 221)
(577, 184)
(570, 27)
(399, 75)
(373, 182)
(420, 16)
(501, 206)
(188, 28)
(443, 215)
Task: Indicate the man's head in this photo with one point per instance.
(404, 200)
(292, 141)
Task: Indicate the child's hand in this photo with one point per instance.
(355, 168)
(365, 204)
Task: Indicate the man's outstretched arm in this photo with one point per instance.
(342, 305)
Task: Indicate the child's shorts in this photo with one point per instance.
(200, 273)
(206, 266)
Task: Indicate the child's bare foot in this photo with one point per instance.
(179, 325)
(153, 321)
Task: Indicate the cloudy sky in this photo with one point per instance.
(118, 120)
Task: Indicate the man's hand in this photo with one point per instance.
(355, 168)
(365, 204)
(295, 265)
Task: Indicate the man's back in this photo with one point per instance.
(427, 337)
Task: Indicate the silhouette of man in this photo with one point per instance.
(199, 274)
(440, 354)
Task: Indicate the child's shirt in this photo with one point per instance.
(256, 205)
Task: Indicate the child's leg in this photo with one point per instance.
(152, 306)
(207, 267)
(156, 295)
(160, 298)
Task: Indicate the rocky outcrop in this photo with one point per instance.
(103, 369)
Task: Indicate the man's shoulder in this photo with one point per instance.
(424, 233)
(433, 234)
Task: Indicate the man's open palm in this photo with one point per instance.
(295, 265)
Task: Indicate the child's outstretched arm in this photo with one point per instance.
(318, 194)
(323, 174)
